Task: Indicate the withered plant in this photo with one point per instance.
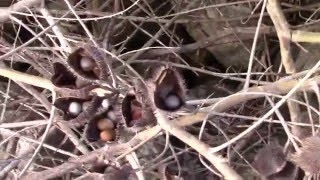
(119, 89)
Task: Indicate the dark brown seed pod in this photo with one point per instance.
(93, 133)
(95, 107)
(95, 130)
(133, 113)
(126, 107)
(169, 90)
(131, 110)
(67, 84)
(62, 77)
(89, 63)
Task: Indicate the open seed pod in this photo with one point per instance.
(308, 158)
(99, 107)
(132, 113)
(89, 63)
(68, 85)
(62, 77)
(71, 106)
(168, 91)
(102, 128)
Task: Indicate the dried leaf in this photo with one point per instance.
(136, 111)
(131, 110)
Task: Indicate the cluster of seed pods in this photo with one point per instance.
(88, 69)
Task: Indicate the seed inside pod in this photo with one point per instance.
(105, 103)
(111, 115)
(136, 114)
(86, 64)
(75, 108)
(173, 101)
(108, 135)
(105, 123)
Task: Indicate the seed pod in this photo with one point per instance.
(126, 108)
(72, 107)
(168, 90)
(93, 133)
(77, 111)
(68, 85)
(62, 77)
(131, 110)
(89, 63)
(132, 113)
(101, 127)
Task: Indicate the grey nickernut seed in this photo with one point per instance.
(172, 101)
(112, 115)
(105, 104)
(75, 108)
(86, 64)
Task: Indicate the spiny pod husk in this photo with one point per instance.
(62, 77)
(167, 89)
(131, 112)
(82, 110)
(68, 85)
(135, 109)
(308, 158)
(89, 63)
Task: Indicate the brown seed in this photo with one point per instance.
(104, 124)
(108, 135)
